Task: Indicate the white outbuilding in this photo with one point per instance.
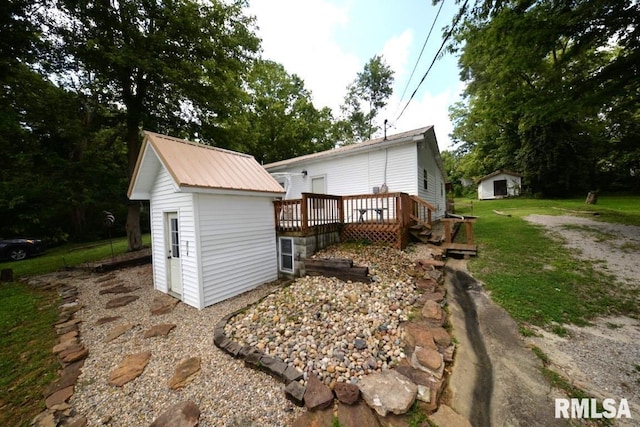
(499, 184)
(212, 221)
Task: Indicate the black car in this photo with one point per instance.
(17, 249)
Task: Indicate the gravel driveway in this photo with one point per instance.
(603, 359)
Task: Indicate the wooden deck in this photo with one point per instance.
(383, 217)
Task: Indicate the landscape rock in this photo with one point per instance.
(68, 378)
(121, 301)
(429, 358)
(388, 391)
(433, 313)
(440, 336)
(347, 393)
(119, 289)
(317, 395)
(59, 397)
(185, 372)
(445, 416)
(182, 414)
(104, 320)
(163, 304)
(64, 345)
(419, 334)
(118, 330)
(159, 330)
(130, 368)
(291, 374)
(73, 354)
(358, 415)
(319, 418)
(294, 391)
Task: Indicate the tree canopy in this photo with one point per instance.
(552, 91)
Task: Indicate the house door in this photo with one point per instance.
(318, 185)
(173, 254)
(500, 187)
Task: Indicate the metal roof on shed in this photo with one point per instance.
(198, 166)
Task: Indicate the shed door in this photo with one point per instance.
(173, 254)
(500, 187)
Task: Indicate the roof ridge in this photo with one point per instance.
(196, 144)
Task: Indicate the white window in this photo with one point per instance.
(286, 254)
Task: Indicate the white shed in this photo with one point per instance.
(408, 162)
(499, 184)
(212, 223)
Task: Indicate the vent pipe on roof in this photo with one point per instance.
(385, 129)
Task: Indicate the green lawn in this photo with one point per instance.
(71, 254)
(535, 278)
(27, 335)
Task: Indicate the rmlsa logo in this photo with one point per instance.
(588, 408)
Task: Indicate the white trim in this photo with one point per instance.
(280, 254)
(229, 192)
(198, 251)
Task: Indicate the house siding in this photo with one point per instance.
(164, 198)
(435, 191)
(238, 244)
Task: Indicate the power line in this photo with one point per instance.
(444, 42)
(420, 56)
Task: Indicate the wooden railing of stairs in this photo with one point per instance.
(421, 214)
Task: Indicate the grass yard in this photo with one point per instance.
(535, 278)
(27, 334)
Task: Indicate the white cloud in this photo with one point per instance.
(396, 52)
(298, 34)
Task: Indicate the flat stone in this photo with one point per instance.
(429, 358)
(118, 330)
(59, 397)
(69, 336)
(294, 391)
(273, 366)
(182, 414)
(433, 313)
(67, 329)
(417, 364)
(318, 395)
(185, 372)
(64, 345)
(121, 301)
(104, 320)
(68, 378)
(46, 418)
(431, 262)
(73, 354)
(347, 393)
(130, 368)
(81, 421)
(159, 330)
(437, 296)
(163, 304)
(291, 374)
(447, 353)
(71, 322)
(427, 285)
(120, 289)
(419, 334)
(445, 416)
(440, 336)
(252, 360)
(358, 415)
(105, 278)
(319, 418)
(233, 348)
(388, 391)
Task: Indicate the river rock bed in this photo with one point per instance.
(338, 330)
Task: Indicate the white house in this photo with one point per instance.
(408, 162)
(499, 184)
(212, 222)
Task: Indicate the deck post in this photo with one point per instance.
(304, 213)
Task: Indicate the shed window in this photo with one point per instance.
(286, 254)
(424, 178)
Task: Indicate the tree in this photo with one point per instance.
(170, 66)
(541, 77)
(279, 120)
(371, 89)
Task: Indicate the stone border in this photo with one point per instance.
(430, 279)
(71, 354)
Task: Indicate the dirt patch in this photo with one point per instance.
(602, 359)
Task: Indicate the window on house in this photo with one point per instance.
(286, 254)
(424, 178)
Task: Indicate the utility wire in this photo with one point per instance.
(444, 42)
(420, 56)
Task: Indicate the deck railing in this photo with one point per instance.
(323, 210)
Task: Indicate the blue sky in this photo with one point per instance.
(327, 42)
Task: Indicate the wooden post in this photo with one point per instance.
(447, 231)
(303, 211)
(469, 230)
